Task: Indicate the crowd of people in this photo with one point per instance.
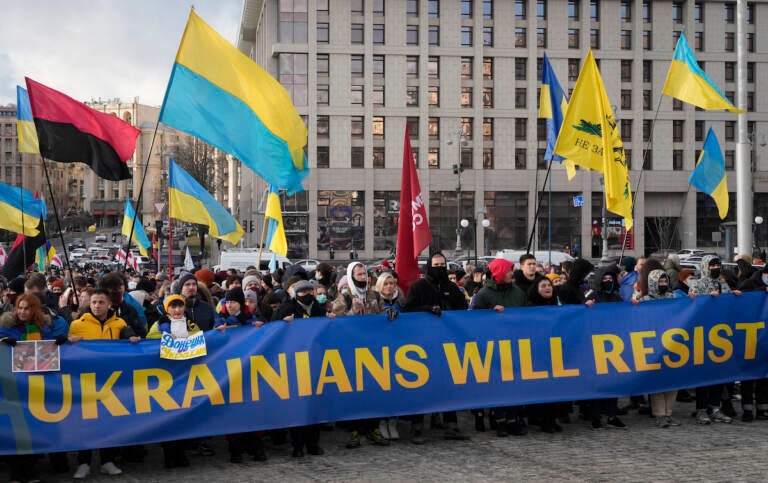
(70, 307)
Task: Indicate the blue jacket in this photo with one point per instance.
(51, 328)
(627, 286)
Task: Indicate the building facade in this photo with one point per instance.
(464, 76)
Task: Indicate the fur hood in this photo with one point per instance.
(8, 320)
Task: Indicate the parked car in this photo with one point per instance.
(100, 238)
(481, 261)
(308, 264)
(75, 243)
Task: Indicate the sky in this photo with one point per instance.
(91, 49)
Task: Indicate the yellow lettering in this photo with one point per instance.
(558, 364)
(37, 399)
(235, 374)
(416, 368)
(90, 396)
(278, 382)
(380, 372)
(720, 342)
(603, 355)
(750, 336)
(210, 388)
(675, 347)
(142, 393)
(505, 354)
(338, 374)
(698, 345)
(526, 361)
(460, 369)
(641, 352)
(303, 373)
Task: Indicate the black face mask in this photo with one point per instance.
(607, 285)
(306, 299)
(663, 289)
(360, 284)
(439, 274)
(714, 273)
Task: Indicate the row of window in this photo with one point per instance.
(357, 7)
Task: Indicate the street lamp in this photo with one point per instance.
(464, 223)
(457, 170)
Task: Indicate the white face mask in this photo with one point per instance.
(179, 328)
(131, 285)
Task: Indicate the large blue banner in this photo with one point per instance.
(115, 393)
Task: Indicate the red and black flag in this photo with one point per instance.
(69, 132)
(22, 254)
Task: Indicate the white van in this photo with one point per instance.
(242, 258)
(542, 256)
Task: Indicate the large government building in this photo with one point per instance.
(464, 76)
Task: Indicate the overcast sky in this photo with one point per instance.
(100, 48)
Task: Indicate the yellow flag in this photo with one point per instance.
(589, 137)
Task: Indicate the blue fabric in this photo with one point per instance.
(139, 308)
(627, 286)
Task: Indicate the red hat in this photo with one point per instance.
(385, 263)
(205, 276)
(499, 267)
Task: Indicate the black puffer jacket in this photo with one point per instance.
(570, 292)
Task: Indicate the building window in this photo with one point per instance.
(677, 105)
(466, 158)
(677, 160)
(293, 76)
(541, 129)
(433, 158)
(412, 66)
(322, 65)
(488, 68)
(730, 157)
(356, 95)
(434, 35)
(520, 9)
(487, 129)
(488, 36)
(433, 127)
(626, 130)
(698, 131)
(729, 12)
(750, 15)
(357, 65)
(677, 12)
(323, 94)
(378, 157)
(626, 71)
(466, 67)
(521, 68)
(698, 41)
(323, 157)
(467, 127)
(520, 97)
(487, 158)
(750, 72)
(322, 33)
(730, 71)
(574, 10)
(573, 69)
(487, 9)
(751, 101)
(293, 22)
(646, 40)
(730, 41)
(378, 34)
(647, 127)
(626, 11)
(378, 7)
(323, 126)
(413, 127)
(466, 9)
(626, 99)
(433, 96)
(488, 97)
(647, 160)
(750, 42)
(357, 33)
(647, 71)
(357, 127)
(646, 11)
(730, 130)
(412, 8)
(521, 128)
(677, 130)
(412, 34)
(541, 38)
(357, 7)
(594, 38)
(647, 100)
(466, 36)
(378, 66)
(322, 6)
(520, 37)
(466, 97)
(378, 127)
(573, 38)
(594, 10)
(378, 96)
(698, 13)
(541, 10)
(626, 40)
(358, 157)
(520, 156)
(731, 96)
(433, 67)
(433, 8)
(412, 96)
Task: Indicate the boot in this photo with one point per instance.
(235, 450)
(394, 435)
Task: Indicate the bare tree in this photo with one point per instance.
(199, 160)
(662, 233)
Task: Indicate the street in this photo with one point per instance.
(642, 452)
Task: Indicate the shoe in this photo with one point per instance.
(418, 437)
(728, 409)
(82, 471)
(204, 450)
(762, 415)
(661, 422)
(297, 453)
(394, 434)
(354, 440)
(717, 416)
(748, 416)
(377, 438)
(110, 469)
(480, 423)
(615, 423)
(316, 451)
(455, 434)
(672, 421)
(597, 424)
(702, 417)
(384, 428)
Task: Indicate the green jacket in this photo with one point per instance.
(493, 294)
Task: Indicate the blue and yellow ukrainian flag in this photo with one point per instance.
(20, 211)
(44, 255)
(25, 124)
(139, 235)
(224, 98)
(276, 241)
(687, 82)
(552, 105)
(709, 174)
(190, 202)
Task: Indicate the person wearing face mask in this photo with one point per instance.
(324, 275)
(710, 282)
(342, 303)
(237, 312)
(608, 290)
(435, 293)
(363, 297)
(685, 279)
(321, 296)
(755, 390)
(757, 282)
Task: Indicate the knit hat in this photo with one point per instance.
(344, 281)
(57, 284)
(186, 278)
(385, 263)
(249, 279)
(552, 276)
(251, 296)
(684, 274)
(205, 276)
(303, 285)
(499, 267)
(235, 294)
(17, 285)
(171, 298)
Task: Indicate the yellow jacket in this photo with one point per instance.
(88, 327)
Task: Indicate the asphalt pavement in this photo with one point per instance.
(642, 452)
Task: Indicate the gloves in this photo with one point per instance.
(436, 310)
(61, 339)
(392, 313)
(10, 341)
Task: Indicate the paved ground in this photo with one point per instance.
(723, 452)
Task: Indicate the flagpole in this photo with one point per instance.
(263, 239)
(538, 208)
(23, 229)
(58, 221)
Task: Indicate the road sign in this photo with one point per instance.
(160, 207)
(578, 201)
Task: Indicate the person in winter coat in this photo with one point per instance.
(528, 273)
(363, 298)
(755, 390)
(710, 282)
(570, 292)
(197, 309)
(608, 288)
(757, 282)
(672, 267)
(236, 313)
(662, 403)
(391, 304)
(629, 274)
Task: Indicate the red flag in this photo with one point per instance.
(413, 234)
